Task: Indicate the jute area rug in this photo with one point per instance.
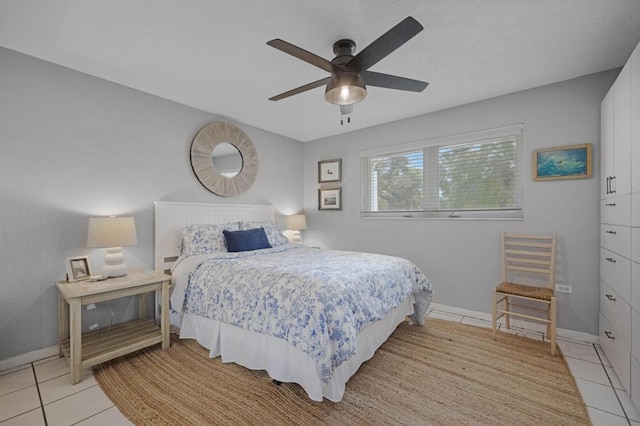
(444, 373)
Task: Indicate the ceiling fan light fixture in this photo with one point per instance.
(345, 88)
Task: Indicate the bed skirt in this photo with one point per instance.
(282, 361)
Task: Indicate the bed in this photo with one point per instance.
(304, 315)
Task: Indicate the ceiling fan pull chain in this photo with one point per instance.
(345, 110)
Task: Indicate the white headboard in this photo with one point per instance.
(171, 217)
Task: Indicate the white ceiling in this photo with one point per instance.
(211, 54)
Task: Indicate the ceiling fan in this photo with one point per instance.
(350, 74)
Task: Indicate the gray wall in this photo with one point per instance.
(462, 258)
(73, 146)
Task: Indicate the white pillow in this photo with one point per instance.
(274, 235)
(205, 238)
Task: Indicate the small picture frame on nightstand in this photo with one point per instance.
(78, 268)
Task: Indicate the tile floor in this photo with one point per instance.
(40, 393)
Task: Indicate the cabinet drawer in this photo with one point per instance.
(635, 337)
(615, 270)
(635, 242)
(617, 312)
(635, 382)
(617, 352)
(635, 290)
(616, 210)
(616, 238)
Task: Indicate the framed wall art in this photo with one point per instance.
(330, 199)
(330, 171)
(563, 162)
(78, 268)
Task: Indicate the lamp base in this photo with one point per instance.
(114, 263)
(293, 236)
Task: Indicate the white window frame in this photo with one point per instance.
(428, 210)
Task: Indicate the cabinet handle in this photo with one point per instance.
(610, 297)
(610, 335)
(610, 204)
(610, 259)
(613, 180)
(608, 184)
(611, 232)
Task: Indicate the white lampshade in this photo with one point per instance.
(297, 222)
(112, 233)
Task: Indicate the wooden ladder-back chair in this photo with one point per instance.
(528, 273)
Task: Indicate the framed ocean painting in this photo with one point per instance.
(563, 162)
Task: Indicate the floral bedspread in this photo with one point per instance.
(317, 300)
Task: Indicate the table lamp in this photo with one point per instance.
(112, 233)
(296, 223)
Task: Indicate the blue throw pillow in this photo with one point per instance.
(251, 239)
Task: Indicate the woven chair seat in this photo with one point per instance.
(540, 293)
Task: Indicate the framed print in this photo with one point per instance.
(330, 171)
(330, 199)
(563, 162)
(78, 268)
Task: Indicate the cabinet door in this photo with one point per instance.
(606, 145)
(622, 132)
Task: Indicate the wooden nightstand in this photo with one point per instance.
(89, 349)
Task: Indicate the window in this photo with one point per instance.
(475, 175)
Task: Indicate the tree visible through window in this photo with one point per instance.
(474, 175)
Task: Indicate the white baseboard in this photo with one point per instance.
(519, 323)
(28, 357)
(39, 354)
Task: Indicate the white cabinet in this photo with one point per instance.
(635, 224)
(620, 226)
(606, 145)
(635, 120)
(615, 134)
(621, 173)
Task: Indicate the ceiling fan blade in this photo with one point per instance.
(392, 81)
(299, 53)
(301, 89)
(385, 44)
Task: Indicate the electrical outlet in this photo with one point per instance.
(564, 288)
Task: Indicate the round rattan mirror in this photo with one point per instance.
(202, 159)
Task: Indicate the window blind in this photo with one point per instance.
(475, 175)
